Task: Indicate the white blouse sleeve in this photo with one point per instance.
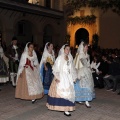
(45, 55)
(97, 67)
(92, 65)
(21, 64)
(73, 72)
(1, 52)
(56, 68)
(36, 61)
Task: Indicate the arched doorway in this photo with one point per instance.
(81, 35)
(24, 31)
(48, 32)
(47, 3)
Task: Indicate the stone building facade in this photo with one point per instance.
(39, 21)
(42, 21)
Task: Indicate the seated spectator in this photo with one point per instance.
(116, 69)
(104, 66)
(4, 78)
(111, 79)
(103, 70)
(95, 70)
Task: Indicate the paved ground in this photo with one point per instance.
(106, 106)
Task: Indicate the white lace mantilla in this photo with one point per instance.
(64, 71)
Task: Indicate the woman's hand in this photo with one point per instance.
(46, 68)
(100, 72)
(35, 66)
(57, 81)
(75, 81)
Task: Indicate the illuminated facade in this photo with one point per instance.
(41, 21)
(88, 29)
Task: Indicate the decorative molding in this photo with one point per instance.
(89, 19)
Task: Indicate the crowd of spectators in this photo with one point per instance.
(105, 65)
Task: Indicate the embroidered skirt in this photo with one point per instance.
(55, 102)
(22, 89)
(83, 94)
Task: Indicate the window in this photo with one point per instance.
(21, 28)
(47, 36)
(0, 36)
(48, 3)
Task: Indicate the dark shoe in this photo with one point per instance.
(33, 101)
(101, 87)
(95, 86)
(119, 93)
(68, 115)
(113, 91)
(109, 89)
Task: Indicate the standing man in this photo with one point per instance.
(14, 54)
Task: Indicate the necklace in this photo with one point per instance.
(68, 62)
(66, 58)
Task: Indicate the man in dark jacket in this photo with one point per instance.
(103, 70)
(104, 67)
(116, 74)
(14, 54)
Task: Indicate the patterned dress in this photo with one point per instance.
(3, 68)
(84, 86)
(29, 85)
(61, 96)
(47, 76)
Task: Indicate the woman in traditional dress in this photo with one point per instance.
(29, 85)
(46, 64)
(61, 96)
(84, 87)
(3, 67)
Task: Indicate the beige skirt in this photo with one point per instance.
(55, 102)
(22, 89)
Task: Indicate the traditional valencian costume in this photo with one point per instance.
(14, 54)
(61, 96)
(84, 87)
(46, 75)
(3, 67)
(29, 85)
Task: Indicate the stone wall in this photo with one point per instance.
(109, 30)
(9, 26)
